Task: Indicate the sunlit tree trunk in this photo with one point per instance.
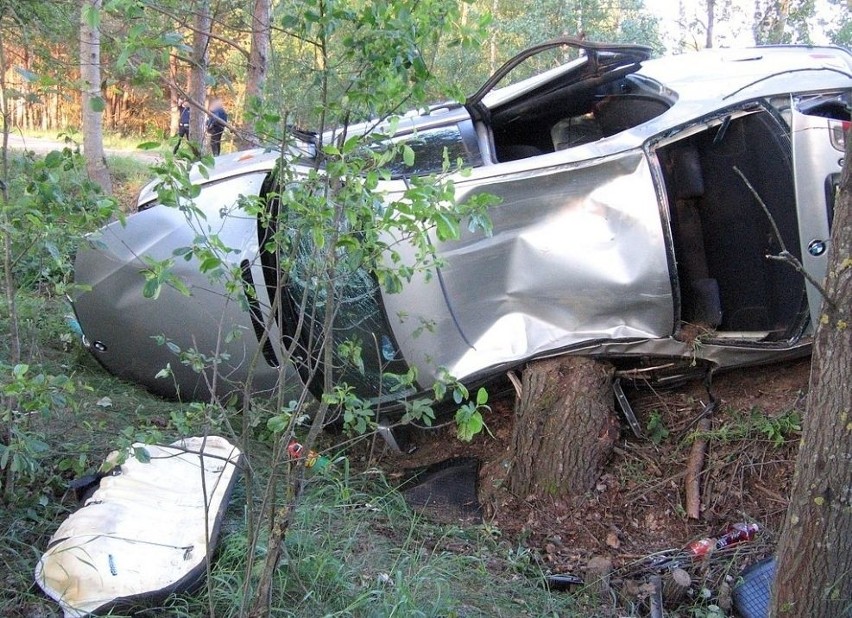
(92, 102)
(770, 21)
(198, 74)
(492, 40)
(814, 570)
(174, 95)
(258, 57)
(711, 23)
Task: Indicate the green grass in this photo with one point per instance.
(756, 425)
(79, 433)
(129, 175)
(355, 548)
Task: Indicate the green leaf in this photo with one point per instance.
(440, 390)
(459, 395)
(468, 427)
(408, 155)
(152, 289)
(97, 104)
(180, 286)
(447, 227)
(209, 263)
(279, 423)
(53, 159)
(481, 397)
(92, 16)
(141, 454)
(123, 57)
(172, 38)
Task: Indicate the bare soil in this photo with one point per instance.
(637, 510)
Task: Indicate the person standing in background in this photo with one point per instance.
(183, 122)
(216, 125)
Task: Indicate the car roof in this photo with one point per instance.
(722, 74)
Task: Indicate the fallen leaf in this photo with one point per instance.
(612, 540)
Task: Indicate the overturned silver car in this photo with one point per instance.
(638, 197)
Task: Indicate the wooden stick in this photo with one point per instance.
(694, 466)
(656, 600)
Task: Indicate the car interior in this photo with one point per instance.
(723, 237)
(583, 111)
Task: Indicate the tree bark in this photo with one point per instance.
(198, 74)
(565, 426)
(92, 102)
(258, 60)
(814, 570)
(174, 95)
(711, 23)
(771, 22)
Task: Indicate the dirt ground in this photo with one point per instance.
(636, 511)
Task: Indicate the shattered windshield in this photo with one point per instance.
(364, 349)
(430, 147)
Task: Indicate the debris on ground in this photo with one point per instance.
(636, 513)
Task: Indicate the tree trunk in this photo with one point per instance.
(565, 426)
(93, 103)
(711, 23)
(198, 74)
(492, 40)
(258, 61)
(771, 22)
(174, 95)
(814, 571)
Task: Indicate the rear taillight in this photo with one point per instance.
(838, 130)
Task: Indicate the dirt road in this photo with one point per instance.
(41, 145)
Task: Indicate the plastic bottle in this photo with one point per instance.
(701, 547)
(737, 533)
(312, 459)
(734, 533)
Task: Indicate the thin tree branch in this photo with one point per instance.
(784, 255)
(183, 24)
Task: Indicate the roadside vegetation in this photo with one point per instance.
(354, 548)
(341, 541)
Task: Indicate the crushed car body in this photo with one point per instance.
(638, 206)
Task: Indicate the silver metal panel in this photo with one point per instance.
(814, 158)
(116, 316)
(226, 166)
(577, 254)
